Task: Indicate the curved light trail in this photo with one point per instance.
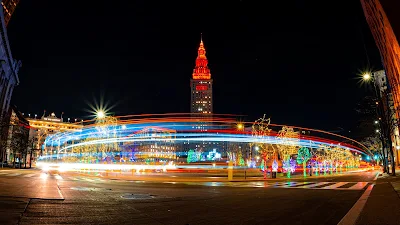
(127, 136)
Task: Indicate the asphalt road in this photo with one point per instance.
(34, 197)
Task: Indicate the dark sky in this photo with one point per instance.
(296, 62)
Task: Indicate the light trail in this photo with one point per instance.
(164, 138)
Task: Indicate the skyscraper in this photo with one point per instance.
(8, 9)
(201, 84)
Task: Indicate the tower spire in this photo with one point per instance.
(201, 70)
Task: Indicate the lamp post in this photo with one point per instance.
(385, 120)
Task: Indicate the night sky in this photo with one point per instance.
(297, 62)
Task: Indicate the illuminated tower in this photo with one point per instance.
(8, 9)
(201, 84)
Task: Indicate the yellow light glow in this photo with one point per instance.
(366, 76)
(240, 126)
(100, 114)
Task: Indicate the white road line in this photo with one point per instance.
(291, 184)
(284, 184)
(352, 215)
(314, 185)
(87, 179)
(358, 186)
(13, 174)
(377, 175)
(333, 186)
(300, 184)
(58, 177)
(29, 175)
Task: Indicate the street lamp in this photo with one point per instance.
(100, 114)
(240, 126)
(366, 76)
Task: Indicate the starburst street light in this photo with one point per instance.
(100, 114)
(366, 76)
(240, 126)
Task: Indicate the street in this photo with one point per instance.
(35, 197)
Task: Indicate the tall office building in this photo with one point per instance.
(201, 84)
(8, 9)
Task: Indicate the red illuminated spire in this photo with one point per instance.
(201, 71)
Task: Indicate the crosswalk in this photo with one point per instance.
(18, 174)
(50, 175)
(300, 185)
(248, 184)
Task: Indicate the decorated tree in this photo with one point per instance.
(191, 157)
(261, 132)
(303, 155)
(240, 159)
(288, 142)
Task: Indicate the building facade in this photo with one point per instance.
(8, 9)
(40, 128)
(8, 70)
(386, 41)
(201, 84)
(385, 94)
(17, 152)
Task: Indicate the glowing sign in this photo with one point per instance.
(201, 88)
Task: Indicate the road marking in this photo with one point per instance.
(314, 185)
(352, 215)
(13, 174)
(59, 191)
(58, 177)
(377, 175)
(29, 175)
(358, 186)
(333, 186)
(291, 184)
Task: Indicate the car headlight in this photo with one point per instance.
(45, 168)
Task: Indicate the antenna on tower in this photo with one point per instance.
(201, 37)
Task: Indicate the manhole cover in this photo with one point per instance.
(138, 196)
(89, 189)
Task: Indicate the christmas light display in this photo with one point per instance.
(191, 156)
(289, 141)
(275, 166)
(153, 142)
(303, 155)
(261, 131)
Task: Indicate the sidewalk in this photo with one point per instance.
(383, 204)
